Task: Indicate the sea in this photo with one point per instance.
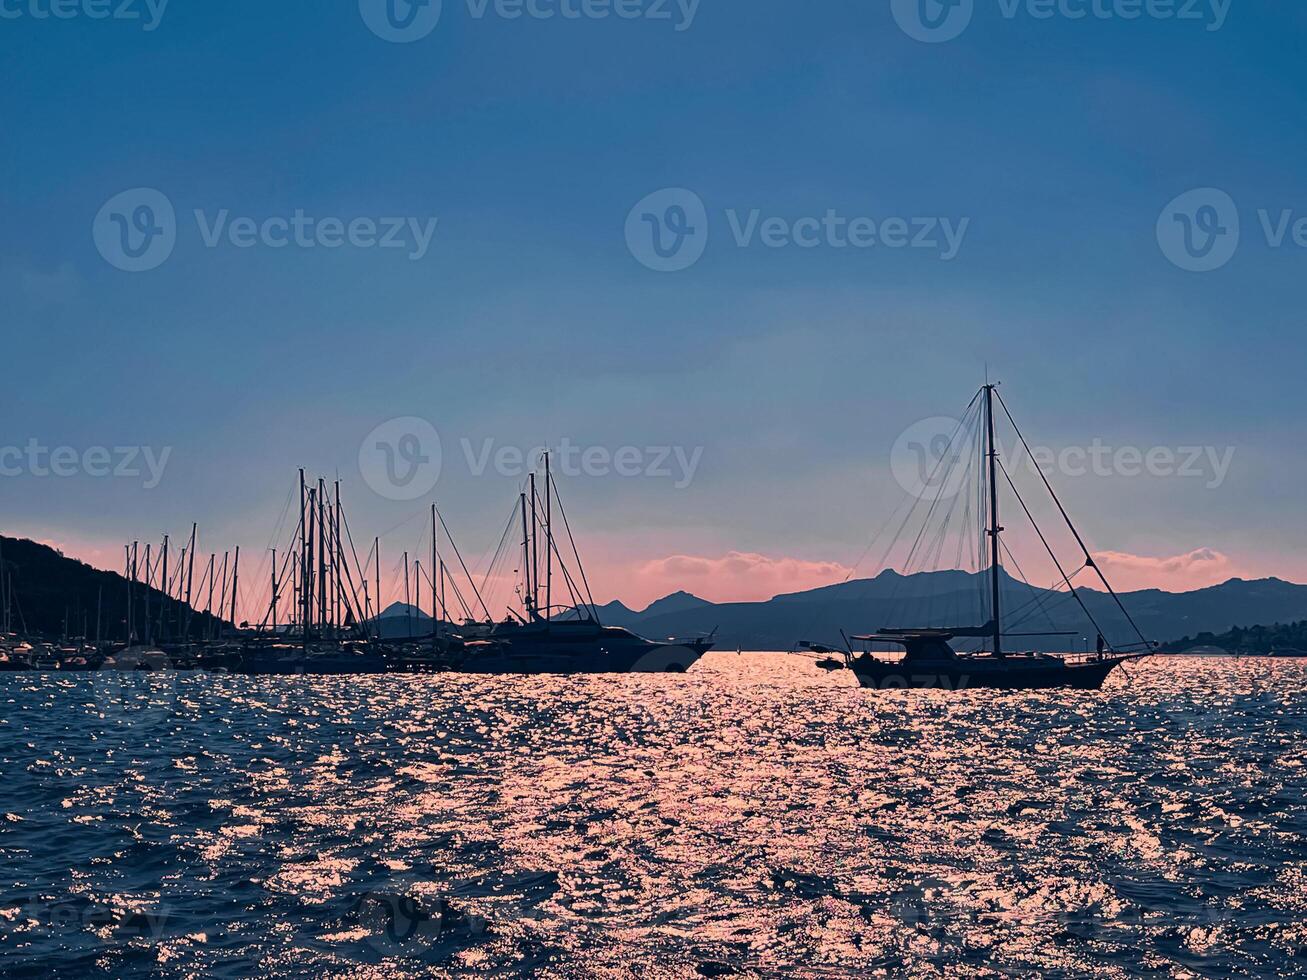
(754, 817)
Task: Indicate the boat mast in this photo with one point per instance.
(994, 528)
(304, 564)
(167, 593)
(408, 600)
(190, 578)
(338, 560)
(526, 561)
(274, 591)
(235, 579)
(535, 546)
(549, 542)
(435, 606)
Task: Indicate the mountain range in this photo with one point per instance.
(955, 598)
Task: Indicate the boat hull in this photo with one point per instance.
(581, 658)
(992, 675)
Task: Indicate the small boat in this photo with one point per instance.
(930, 659)
(1290, 652)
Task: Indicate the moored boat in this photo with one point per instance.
(929, 658)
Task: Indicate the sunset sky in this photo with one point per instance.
(740, 415)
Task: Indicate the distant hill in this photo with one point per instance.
(956, 598)
(49, 587)
(1252, 639)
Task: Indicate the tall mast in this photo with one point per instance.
(190, 578)
(435, 605)
(338, 560)
(549, 541)
(208, 606)
(127, 568)
(167, 592)
(322, 554)
(994, 528)
(408, 606)
(149, 582)
(535, 546)
(526, 561)
(304, 562)
(274, 591)
(376, 546)
(235, 579)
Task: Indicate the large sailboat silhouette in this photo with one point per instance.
(544, 638)
(930, 659)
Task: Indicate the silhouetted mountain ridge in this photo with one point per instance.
(957, 598)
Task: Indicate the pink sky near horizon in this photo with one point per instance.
(741, 576)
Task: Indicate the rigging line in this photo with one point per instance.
(961, 426)
(1024, 607)
(363, 571)
(952, 459)
(558, 499)
(569, 581)
(1089, 558)
(1039, 602)
(499, 550)
(286, 559)
(902, 500)
(462, 564)
(1047, 547)
(467, 612)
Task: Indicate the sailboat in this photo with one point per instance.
(930, 659)
(568, 639)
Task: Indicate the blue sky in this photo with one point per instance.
(528, 320)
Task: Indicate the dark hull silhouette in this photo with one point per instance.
(576, 648)
(1008, 673)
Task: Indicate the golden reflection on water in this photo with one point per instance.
(755, 816)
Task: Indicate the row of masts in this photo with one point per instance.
(323, 591)
(537, 516)
(161, 599)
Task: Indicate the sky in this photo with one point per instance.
(733, 261)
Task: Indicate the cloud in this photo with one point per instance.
(736, 576)
(1198, 569)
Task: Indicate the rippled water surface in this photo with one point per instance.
(754, 817)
